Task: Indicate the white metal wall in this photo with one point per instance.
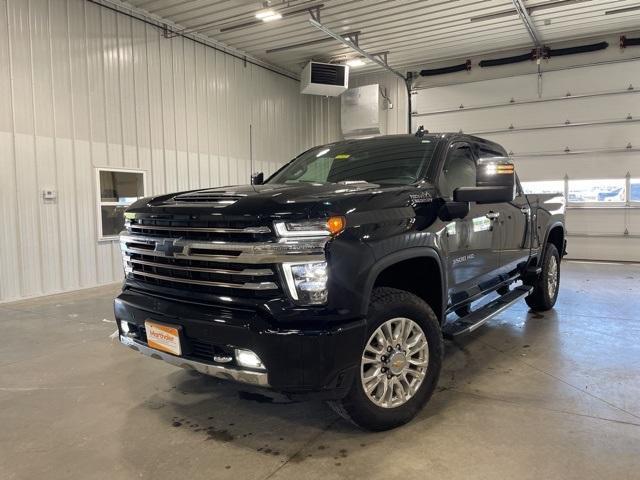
(83, 87)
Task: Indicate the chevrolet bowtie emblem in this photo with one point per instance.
(168, 248)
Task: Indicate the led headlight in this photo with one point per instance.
(307, 282)
(311, 228)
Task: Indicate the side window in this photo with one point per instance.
(459, 169)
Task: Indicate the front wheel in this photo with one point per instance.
(400, 362)
(546, 286)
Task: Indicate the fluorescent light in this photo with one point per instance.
(356, 62)
(268, 15)
(262, 14)
(271, 18)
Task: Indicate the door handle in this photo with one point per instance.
(526, 210)
(492, 215)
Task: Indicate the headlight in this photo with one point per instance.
(311, 228)
(307, 282)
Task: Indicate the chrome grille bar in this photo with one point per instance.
(248, 230)
(302, 250)
(254, 272)
(242, 286)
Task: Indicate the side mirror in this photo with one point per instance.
(495, 183)
(452, 210)
(257, 178)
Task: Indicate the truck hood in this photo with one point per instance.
(300, 200)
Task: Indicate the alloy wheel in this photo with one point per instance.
(394, 362)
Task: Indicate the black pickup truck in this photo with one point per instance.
(339, 276)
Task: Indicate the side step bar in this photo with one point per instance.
(478, 318)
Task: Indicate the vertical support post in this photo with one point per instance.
(251, 172)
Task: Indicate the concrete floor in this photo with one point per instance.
(527, 396)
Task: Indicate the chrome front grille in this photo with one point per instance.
(230, 259)
(177, 227)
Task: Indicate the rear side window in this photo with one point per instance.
(459, 169)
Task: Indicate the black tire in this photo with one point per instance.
(541, 299)
(356, 407)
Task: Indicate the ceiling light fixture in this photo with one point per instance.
(356, 62)
(283, 12)
(268, 15)
(271, 18)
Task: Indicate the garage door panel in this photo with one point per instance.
(472, 94)
(576, 138)
(614, 249)
(596, 220)
(597, 78)
(633, 221)
(577, 166)
(532, 115)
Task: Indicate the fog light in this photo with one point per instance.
(246, 358)
(124, 327)
(307, 282)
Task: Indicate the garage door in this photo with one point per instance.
(575, 130)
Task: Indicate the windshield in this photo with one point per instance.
(384, 161)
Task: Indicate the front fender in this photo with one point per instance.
(400, 256)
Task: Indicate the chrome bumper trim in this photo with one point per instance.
(259, 379)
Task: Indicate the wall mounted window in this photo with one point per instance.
(597, 191)
(634, 190)
(544, 186)
(117, 189)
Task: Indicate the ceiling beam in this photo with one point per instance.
(355, 47)
(528, 22)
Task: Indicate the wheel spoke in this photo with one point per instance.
(415, 340)
(372, 385)
(387, 332)
(418, 363)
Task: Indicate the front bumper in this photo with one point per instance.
(319, 362)
(259, 379)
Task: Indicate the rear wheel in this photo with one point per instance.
(546, 286)
(400, 362)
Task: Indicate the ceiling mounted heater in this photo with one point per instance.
(328, 79)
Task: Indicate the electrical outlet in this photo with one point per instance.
(49, 194)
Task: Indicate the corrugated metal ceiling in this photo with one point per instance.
(412, 32)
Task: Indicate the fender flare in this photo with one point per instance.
(551, 227)
(396, 257)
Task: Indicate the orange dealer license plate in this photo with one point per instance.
(163, 337)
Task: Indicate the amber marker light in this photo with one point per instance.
(335, 225)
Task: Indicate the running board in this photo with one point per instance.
(478, 318)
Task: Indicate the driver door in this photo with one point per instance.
(472, 242)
